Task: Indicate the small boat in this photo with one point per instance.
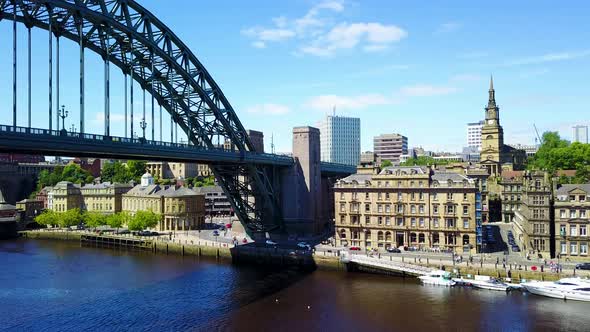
(577, 289)
(438, 278)
(491, 284)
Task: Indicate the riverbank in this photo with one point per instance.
(245, 254)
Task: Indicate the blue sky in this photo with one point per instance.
(420, 68)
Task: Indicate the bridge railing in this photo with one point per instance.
(125, 140)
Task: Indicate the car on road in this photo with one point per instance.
(215, 233)
(583, 266)
(354, 248)
(122, 231)
(303, 245)
(393, 250)
(270, 243)
(515, 249)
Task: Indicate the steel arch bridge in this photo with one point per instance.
(131, 38)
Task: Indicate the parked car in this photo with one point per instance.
(122, 231)
(393, 250)
(354, 248)
(515, 249)
(583, 266)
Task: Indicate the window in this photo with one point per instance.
(399, 196)
(582, 199)
(421, 196)
(449, 196)
(380, 208)
(413, 222)
(435, 238)
(412, 208)
(342, 220)
(465, 196)
(465, 223)
(583, 230)
(342, 207)
(465, 210)
(421, 209)
(450, 209)
(367, 207)
(366, 196)
(572, 214)
(573, 230)
(421, 221)
(387, 221)
(367, 220)
(435, 208)
(413, 196)
(450, 223)
(421, 238)
(387, 196)
(400, 208)
(572, 197)
(388, 208)
(583, 248)
(379, 196)
(562, 230)
(434, 197)
(380, 220)
(563, 248)
(573, 248)
(341, 195)
(354, 195)
(561, 213)
(400, 221)
(582, 214)
(435, 222)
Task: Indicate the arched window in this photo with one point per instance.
(387, 236)
(490, 137)
(367, 235)
(421, 238)
(343, 234)
(412, 237)
(380, 236)
(465, 239)
(435, 238)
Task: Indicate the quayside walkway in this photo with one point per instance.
(384, 264)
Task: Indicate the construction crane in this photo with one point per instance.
(538, 136)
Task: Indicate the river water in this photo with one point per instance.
(57, 286)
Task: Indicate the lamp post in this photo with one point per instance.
(143, 125)
(63, 114)
(73, 128)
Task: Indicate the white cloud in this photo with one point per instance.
(448, 27)
(327, 102)
(426, 90)
(268, 109)
(319, 33)
(374, 36)
(549, 57)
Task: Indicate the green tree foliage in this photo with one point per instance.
(558, 154)
(47, 218)
(202, 181)
(72, 173)
(117, 172)
(94, 219)
(423, 161)
(143, 219)
(117, 220)
(386, 163)
(69, 218)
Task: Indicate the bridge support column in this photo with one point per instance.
(81, 32)
(301, 184)
(107, 93)
(29, 76)
(51, 77)
(57, 61)
(14, 55)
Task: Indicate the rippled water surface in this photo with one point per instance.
(55, 286)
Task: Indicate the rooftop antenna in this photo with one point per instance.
(334, 110)
(272, 143)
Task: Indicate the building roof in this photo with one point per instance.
(208, 189)
(172, 191)
(446, 176)
(106, 185)
(360, 178)
(156, 190)
(566, 172)
(567, 188)
(512, 175)
(405, 170)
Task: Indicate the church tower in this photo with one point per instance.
(492, 135)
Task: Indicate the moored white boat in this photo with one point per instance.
(491, 284)
(438, 278)
(577, 289)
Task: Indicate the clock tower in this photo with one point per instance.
(492, 135)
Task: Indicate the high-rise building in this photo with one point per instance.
(474, 134)
(390, 146)
(580, 134)
(340, 140)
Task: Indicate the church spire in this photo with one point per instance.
(492, 92)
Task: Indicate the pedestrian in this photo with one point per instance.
(509, 274)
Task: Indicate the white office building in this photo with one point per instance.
(580, 134)
(390, 146)
(340, 140)
(474, 134)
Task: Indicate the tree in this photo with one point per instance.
(94, 219)
(556, 153)
(136, 169)
(70, 218)
(143, 220)
(47, 218)
(423, 161)
(116, 220)
(72, 172)
(386, 163)
(114, 172)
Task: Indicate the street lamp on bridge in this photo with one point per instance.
(143, 125)
(63, 114)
